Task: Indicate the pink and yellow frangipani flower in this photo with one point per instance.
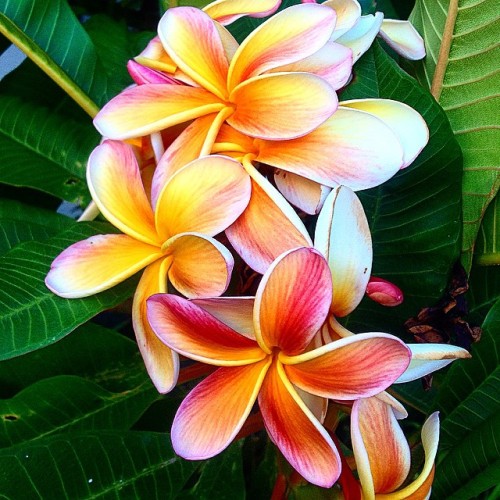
(174, 241)
(261, 347)
(240, 87)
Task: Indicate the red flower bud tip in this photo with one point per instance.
(384, 292)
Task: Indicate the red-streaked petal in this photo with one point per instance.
(354, 367)
(343, 237)
(98, 263)
(405, 122)
(201, 266)
(280, 106)
(205, 196)
(291, 35)
(114, 180)
(352, 148)
(297, 433)
(348, 14)
(380, 447)
(215, 410)
(268, 226)
(195, 333)
(403, 38)
(227, 11)
(161, 362)
(292, 300)
(307, 195)
(192, 40)
(149, 108)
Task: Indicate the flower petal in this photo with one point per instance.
(205, 61)
(143, 74)
(280, 106)
(354, 367)
(343, 237)
(98, 263)
(161, 362)
(195, 333)
(268, 226)
(155, 57)
(352, 148)
(380, 448)
(297, 433)
(403, 38)
(149, 108)
(348, 14)
(292, 300)
(116, 186)
(201, 265)
(291, 35)
(227, 11)
(211, 415)
(405, 122)
(427, 358)
(205, 196)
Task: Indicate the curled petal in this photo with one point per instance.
(354, 367)
(227, 11)
(161, 362)
(380, 447)
(207, 64)
(142, 74)
(343, 237)
(97, 264)
(348, 14)
(201, 266)
(384, 292)
(292, 301)
(405, 122)
(116, 186)
(403, 38)
(215, 410)
(155, 57)
(297, 433)
(287, 37)
(281, 106)
(398, 409)
(195, 333)
(149, 108)
(205, 196)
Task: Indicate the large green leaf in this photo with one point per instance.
(31, 316)
(461, 69)
(101, 464)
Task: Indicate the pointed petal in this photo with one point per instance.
(343, 237)
(307, 195)
(155, 57)
(291, 35)
(292, 300)
(427, 358)
(268, 226)
(201, 265)
(348, 14)
(282, 106)
(206, 61)
(116, 186)
(195, 333)
(352, 148)
(161, 362)
(227, 11)
(405, 122)
(98, 263)
(149, 108)
(205, 196)
(403, 38)
(354, 367)
(215, 410)
(360, 37)
(297, 433)
(379, 442)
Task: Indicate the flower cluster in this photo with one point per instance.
(219, 137)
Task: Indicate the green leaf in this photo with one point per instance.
(484, 291)
(102, 464)
(31, 316)
(488, 248)
(415, 216)
(461, 70)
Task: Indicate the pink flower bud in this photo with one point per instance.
(384, 292)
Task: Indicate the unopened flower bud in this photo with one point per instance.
(384, 292)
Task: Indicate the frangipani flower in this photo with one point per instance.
(261, 346)
(175, 240)
(259, 87)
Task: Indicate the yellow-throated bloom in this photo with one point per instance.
(173, 239)
(260, 345)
